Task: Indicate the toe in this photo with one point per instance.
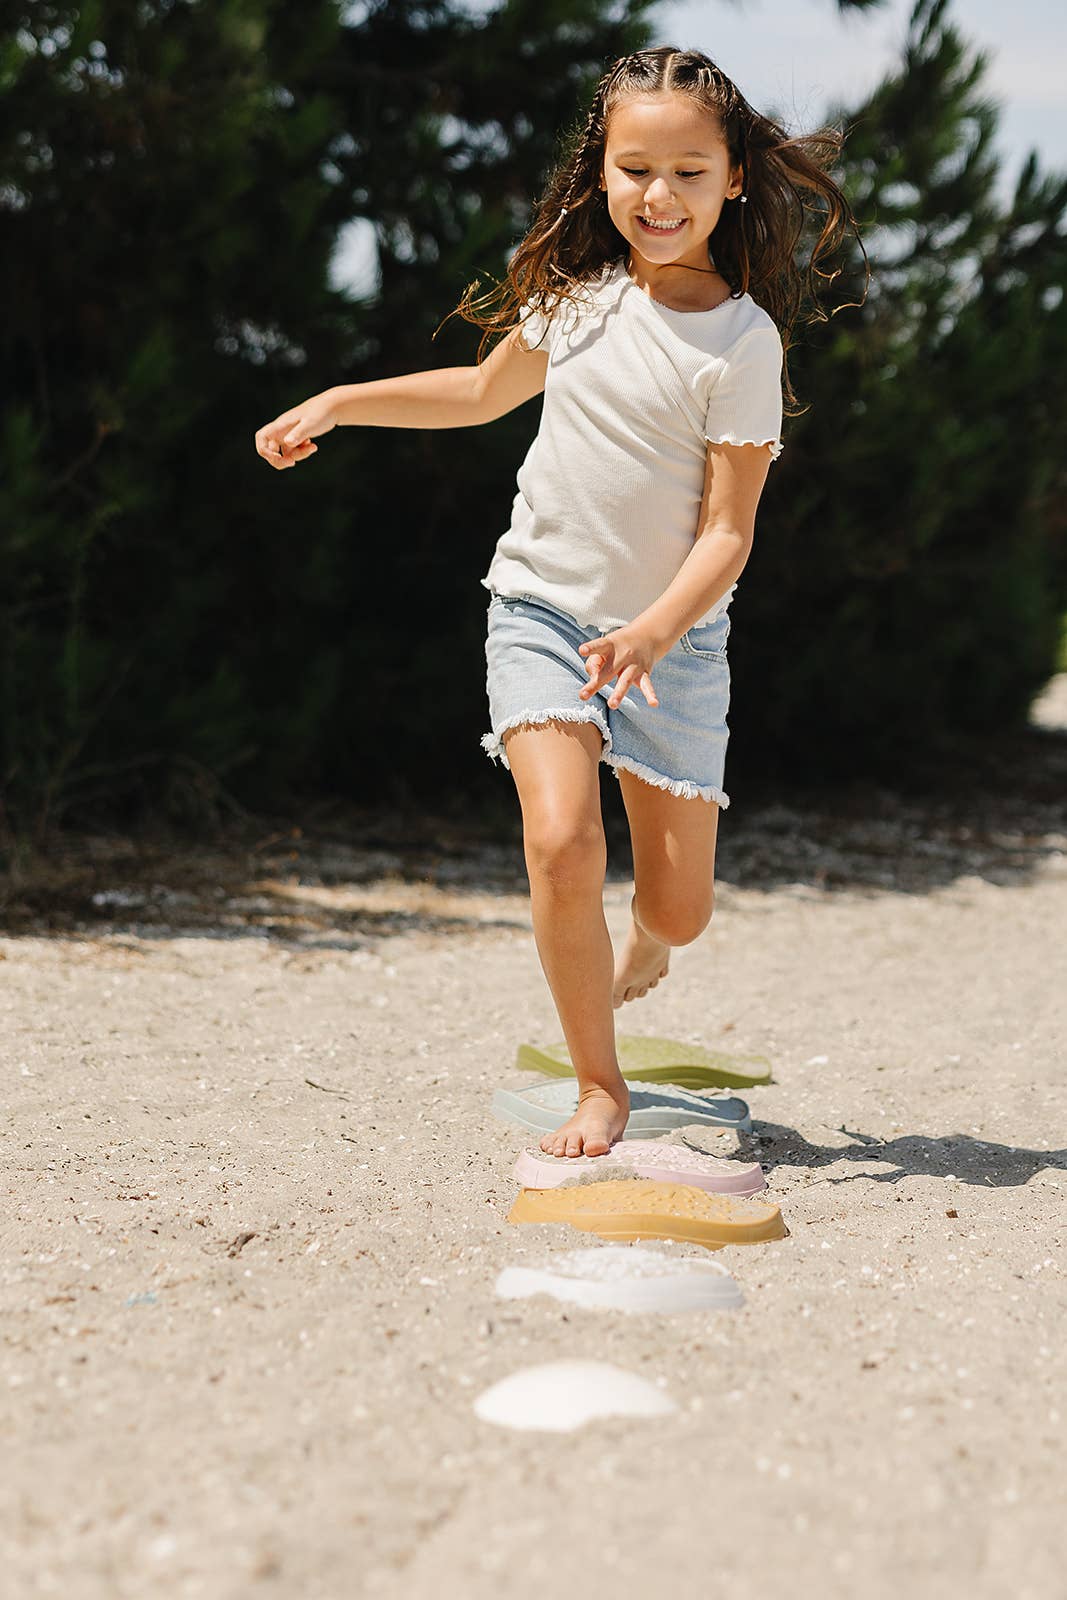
(574, 1144)
(596, 1145)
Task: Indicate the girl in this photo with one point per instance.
(649, 294)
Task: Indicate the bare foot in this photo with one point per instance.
(598, 1122)
(642, 964)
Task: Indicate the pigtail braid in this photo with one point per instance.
(581, 155)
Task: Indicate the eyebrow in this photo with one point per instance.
(705, 155)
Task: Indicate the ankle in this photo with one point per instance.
(614, 1088)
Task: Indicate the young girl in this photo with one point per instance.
(649, 293)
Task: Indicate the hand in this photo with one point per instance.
(624, 652)
(287, 439)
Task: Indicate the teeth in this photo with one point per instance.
(666, 227)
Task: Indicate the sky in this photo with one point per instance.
(794, 59)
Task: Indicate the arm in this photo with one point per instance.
(734, 476)
(446, 397)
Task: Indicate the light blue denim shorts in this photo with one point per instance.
(534, 673)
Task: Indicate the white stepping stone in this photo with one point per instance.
(563, 1395)
(625, 1277)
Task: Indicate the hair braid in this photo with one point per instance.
(578, 162)
(593, 124)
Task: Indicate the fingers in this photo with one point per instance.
(600, 665)
(618, 694)
(628, 677)
(594, 665)
(278, 450)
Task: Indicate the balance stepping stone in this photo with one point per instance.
(639, 1209)
(625, 1277)
(662, 1163)
(563, 1395)
(658, 1061)
(543, 1107)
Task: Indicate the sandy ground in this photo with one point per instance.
(255, 1203)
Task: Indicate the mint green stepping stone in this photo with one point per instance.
(658, 1061)
(544, 1107)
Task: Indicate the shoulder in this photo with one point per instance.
(561, 312)
(755, 326)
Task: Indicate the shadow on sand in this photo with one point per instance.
(341, 878)
(957, 1155)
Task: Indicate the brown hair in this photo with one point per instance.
(572, 237)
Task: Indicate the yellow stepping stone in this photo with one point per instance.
(637, 1208)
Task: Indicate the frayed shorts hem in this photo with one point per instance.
(492, 744)
(682, 787)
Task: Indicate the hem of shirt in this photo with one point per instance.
(731, 438)
(603, 627)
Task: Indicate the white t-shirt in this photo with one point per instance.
(609, 492)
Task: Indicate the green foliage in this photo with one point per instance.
(910, 574)
(166, 223)
(173, 177)
(181, 625)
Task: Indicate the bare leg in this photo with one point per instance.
(555, 767)
(644, 960)
(674, 880)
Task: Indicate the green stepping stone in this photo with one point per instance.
(658, 1061)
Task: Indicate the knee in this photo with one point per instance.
(678, 923)
(565, 852)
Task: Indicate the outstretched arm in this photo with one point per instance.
(445, 397)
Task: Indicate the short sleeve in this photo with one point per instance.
(745, 402)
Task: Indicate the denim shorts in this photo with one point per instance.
(535, 672)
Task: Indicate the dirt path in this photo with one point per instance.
(255, 1205)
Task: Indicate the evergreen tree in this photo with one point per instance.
(167, 215)
(177, 618)
(909, 579)
(173, 177)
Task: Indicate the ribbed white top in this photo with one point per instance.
(609, 492)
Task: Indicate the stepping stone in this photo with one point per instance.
(543, 1107)
(658, 1061)
(563, 1395)
(639, 1209)
(625, 1277)
(640, 1158)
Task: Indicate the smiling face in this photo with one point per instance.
(665, 159)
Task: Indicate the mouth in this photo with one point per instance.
(665, 225)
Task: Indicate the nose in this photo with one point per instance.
(658, 191)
